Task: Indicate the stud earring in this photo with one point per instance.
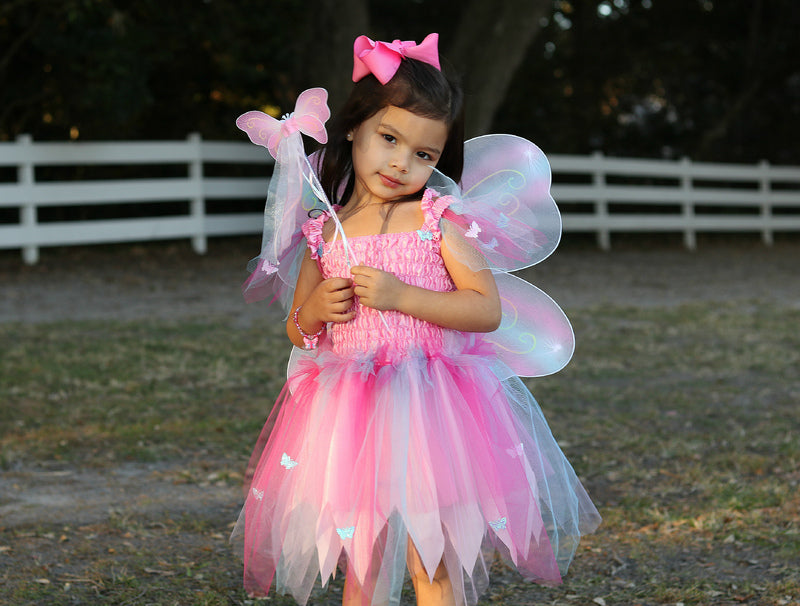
(349, 136)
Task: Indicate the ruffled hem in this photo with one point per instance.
(362, 457)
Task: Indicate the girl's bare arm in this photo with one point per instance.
(322, 301)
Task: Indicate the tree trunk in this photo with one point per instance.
(752, 76)
(490, 44)
(334, 25)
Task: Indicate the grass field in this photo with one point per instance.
(683, 423)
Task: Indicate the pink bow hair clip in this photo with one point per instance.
(309, 117)
(383, 58)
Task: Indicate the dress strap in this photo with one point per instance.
(312, 230)
(433, 205)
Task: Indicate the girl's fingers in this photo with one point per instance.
(337, 284)
(337, 290)
(345, 315)
(336, 302)
(364, 278)
(342, 296)
(342, 306)
(362, 271)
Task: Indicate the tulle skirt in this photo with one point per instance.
(363, 456)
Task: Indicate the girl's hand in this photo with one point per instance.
(474, 305)
(331, 300)
(320, 301)
(375, 288)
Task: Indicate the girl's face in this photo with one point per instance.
(394, 152)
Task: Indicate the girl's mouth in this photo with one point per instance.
(388, 181)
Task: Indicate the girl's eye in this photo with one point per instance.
(424, 155)
(389, 138)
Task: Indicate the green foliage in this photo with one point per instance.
(711, 80)
(147, 69)
(708, 80)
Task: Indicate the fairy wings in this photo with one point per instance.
(502, 218)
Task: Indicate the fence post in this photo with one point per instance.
(766, 206)
(601, 203)
(198, 203)
(689, 235)
(26, 178)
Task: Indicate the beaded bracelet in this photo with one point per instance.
(309, 341)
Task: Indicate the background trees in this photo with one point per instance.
(709, 79)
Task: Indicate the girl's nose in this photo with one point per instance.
(399, 162)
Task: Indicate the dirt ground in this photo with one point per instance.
(169, 281)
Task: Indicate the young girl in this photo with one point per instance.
(404, 439)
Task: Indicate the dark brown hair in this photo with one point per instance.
(417, 87)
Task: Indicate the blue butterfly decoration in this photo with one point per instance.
(499, 524)
(287, 461)
(424, 234)
(346, 533)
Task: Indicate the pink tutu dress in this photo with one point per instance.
(396, 430)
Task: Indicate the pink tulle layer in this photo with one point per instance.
(362, 459)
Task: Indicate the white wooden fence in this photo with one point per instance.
(635, 195)
(596, 194)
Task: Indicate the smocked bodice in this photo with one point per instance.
(414, 257)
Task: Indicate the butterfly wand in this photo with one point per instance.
(283, 140)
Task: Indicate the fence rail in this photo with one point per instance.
(596, 194)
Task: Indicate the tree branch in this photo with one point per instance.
(17, 44)
(490, 44)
